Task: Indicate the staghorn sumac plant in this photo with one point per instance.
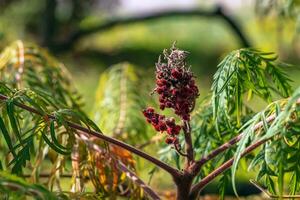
(41, 120)
(224, 116)
(176, 88)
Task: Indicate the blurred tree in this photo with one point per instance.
(57, 22)
(283, 12)
(60, 26)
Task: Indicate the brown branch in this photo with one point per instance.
(198, 164)
(46, 175)
(206, 180)
(131, 175)
(174, 172)
(166, 167)
(217, 12)
(179, 151)
(136, 179)
(188, 143)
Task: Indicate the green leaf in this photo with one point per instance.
(53, 137)
(281, 177)
(20, 160)
(23, 188)
(52, 145)
(13, 120)
(7, 137)
(246, 71)
(270, 184)
(119, 102)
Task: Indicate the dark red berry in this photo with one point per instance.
(169, 131)
(186, 117)
(177, 129)
(162, 127)
(154, 120)
(176, 74)
(176, 141)
(169, 140)
(160, 90)
(176, 88)
(170, 122)
(161, 117)
(168, 104)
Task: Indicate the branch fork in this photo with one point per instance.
(184, 178)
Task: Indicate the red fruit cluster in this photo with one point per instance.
(163, 124)
(175, 84)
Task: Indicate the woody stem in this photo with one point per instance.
(179, 151)
(174, 172)
(188, 144)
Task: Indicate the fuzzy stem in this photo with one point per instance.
(206, 180)
(166, 167)
(131, 175)
(179, 151)
(183, 188)
(174, 172)
(47, 175)
(188, 144)
(198, 164)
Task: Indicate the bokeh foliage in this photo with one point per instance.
(32, 78)
(120, 97)
(29, 76)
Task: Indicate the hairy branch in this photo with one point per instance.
(188, 144)
(47, 175)
(198, 164)
(131, 175)
(206, 180)
(218, 12)
(179, 151)
(174, 172)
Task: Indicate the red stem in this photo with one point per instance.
(199, 186)
(89, 141)
(198, 164)
(130, 148)
(174, 172)
(188, 143)
(195, 167)
(179, 151)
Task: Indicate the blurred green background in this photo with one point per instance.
(89, 36)
(52, 23)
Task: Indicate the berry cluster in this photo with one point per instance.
(176, 88)
(175, 84)
(163, 124)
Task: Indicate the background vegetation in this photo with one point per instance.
(115, 52)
